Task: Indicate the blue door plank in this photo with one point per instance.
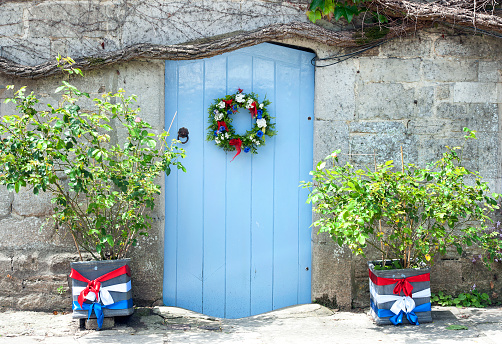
(262, 221)
(214, 197)
(190, 187)
(238, 213)
(306, 97)
(171, 219)
(286, 187)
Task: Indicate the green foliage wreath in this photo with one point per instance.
(222, 132)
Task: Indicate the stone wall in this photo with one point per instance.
(34, 263)
(417, 92)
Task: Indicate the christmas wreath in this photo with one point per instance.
(220, 119)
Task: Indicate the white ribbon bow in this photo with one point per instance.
(104, 292)
(401, 303)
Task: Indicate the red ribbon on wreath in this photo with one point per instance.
(228, 103)
(253, 110)
(222, 124)
(237, 144)
(95, 285)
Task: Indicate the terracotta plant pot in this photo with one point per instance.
(111, 280)
(388, 295)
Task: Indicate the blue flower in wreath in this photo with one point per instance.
(222, 129)
(260, 112)
(215, 133)
(258, 116)
(234, 108)
(229, 112)
(246, 149)
(259, 133)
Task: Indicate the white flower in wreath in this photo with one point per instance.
(249, 103)
(261, 123)
(261, 106)
(217, 141)
(221, 105)
(218, 116)
(239, 98)
(227, 135)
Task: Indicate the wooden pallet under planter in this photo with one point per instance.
(115, 295)
(383, 287)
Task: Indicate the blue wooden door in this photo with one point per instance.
(237, 236)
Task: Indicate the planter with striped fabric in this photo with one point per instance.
(400, 295)
(101, 288)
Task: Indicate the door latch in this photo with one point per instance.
(183, 133)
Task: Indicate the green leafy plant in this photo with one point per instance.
(61, 289)
(102, 191)
(339, 9)
(408, 215)
(474, 298)
(457, 327)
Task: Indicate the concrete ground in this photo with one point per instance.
(298, 324)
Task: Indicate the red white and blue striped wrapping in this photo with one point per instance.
(98, 297)
(398, 295)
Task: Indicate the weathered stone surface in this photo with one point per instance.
(60, 263)
(329, 136)
(92, 324)
(6, 199)
(27, 263)
(5, 263)
(490, 71)
(443, 92)
(11, 20)
(331, 273)
(334, 92)
(393, 101)
(468, 46)
(450, 70)
(420, 45)
(147, 266)
(27, 204)
(389, 70)
(26, 233)
(479, 117)
(474, 92)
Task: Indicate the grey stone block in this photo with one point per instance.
(92, 324)
(474, 92)
(419, 45)
(450, 70)
(376, 127)
(329, 136)
(390, 101)
(490, 71)
(389, 70)
(46, 19)
(334, 92)
(443, 92)
(6, 199)
(469, 46)
(11, 20)
(28, 204)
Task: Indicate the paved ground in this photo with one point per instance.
(299, 324)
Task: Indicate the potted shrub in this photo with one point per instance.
(102, 189)
(406, 217)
